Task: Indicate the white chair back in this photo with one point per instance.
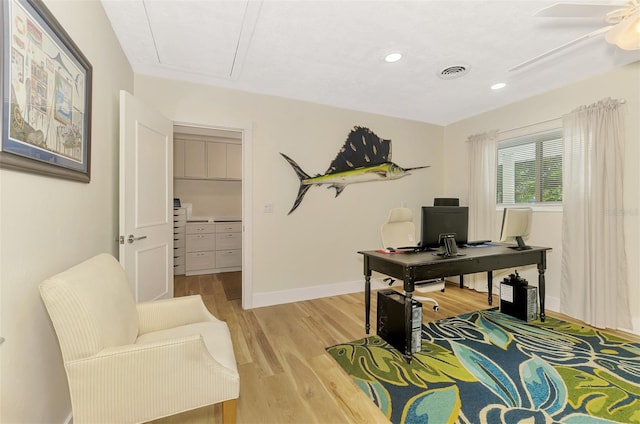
(91, 307)
(399, 230)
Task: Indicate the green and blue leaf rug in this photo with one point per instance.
(487, 367)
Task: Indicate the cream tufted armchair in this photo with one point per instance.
(128, 362)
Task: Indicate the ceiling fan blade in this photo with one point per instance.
(618, 15)
(577, 10)
(626, 34)
(562, 47)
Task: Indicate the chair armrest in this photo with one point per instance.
(169, 313)
(136, 383)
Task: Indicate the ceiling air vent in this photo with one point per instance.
(452, 72)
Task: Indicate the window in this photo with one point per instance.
(530, 169)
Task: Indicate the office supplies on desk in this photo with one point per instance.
(477, 242)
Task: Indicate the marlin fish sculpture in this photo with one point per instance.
(364, 157)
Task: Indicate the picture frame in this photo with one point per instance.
(46, 87)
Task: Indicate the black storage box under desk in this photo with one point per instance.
(391, 323)
(519, 301)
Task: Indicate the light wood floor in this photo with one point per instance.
(285, 374)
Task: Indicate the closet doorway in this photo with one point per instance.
(211, 180)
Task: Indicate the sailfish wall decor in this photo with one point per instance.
(364, 157)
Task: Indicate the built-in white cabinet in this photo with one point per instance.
(216, 160)
(229, 245)
(198, 159)
(213, 247)
(201, 247)
(194, 159)
(179, 240)
(234, 161)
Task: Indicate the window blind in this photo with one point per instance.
(530, 169)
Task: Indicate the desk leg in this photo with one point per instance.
(408, 297)
(367, 302)
(367, 294)
(461, 281)
(541, 289)
(490, 287)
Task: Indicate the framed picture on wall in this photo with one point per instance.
(46, 94)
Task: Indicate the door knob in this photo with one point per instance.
(131, 238)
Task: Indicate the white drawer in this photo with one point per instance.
(200, 227)
(200, 260)
(179, 229)
(229, 227)
(179, 269)
(228, 258)
(226, 241)
(180, 212)
(200, 242)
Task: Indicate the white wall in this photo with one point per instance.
(316, 246)
(210, 198)
(49, 224)
(622, 83)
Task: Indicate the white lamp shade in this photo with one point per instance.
(626, 34)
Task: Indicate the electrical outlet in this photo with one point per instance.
(268, 207)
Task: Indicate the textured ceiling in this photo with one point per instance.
(331, 52)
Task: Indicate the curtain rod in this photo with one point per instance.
(622, 101)
(528, 125)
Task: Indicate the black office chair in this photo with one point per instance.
(446, 201)
(449, 201)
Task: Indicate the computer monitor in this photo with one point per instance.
(438, 221)
(516, 226)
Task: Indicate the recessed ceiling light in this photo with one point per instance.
(392, 57)
(498, 86)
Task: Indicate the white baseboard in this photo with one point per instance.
(314, 292)
(336, 289)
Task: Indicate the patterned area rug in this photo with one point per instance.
(487, 367)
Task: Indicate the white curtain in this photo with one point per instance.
(482, 196)
(593, 282)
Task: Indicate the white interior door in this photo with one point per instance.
(146, 199)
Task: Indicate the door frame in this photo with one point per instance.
(246, 129)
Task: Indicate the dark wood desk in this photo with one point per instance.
(412, 267)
